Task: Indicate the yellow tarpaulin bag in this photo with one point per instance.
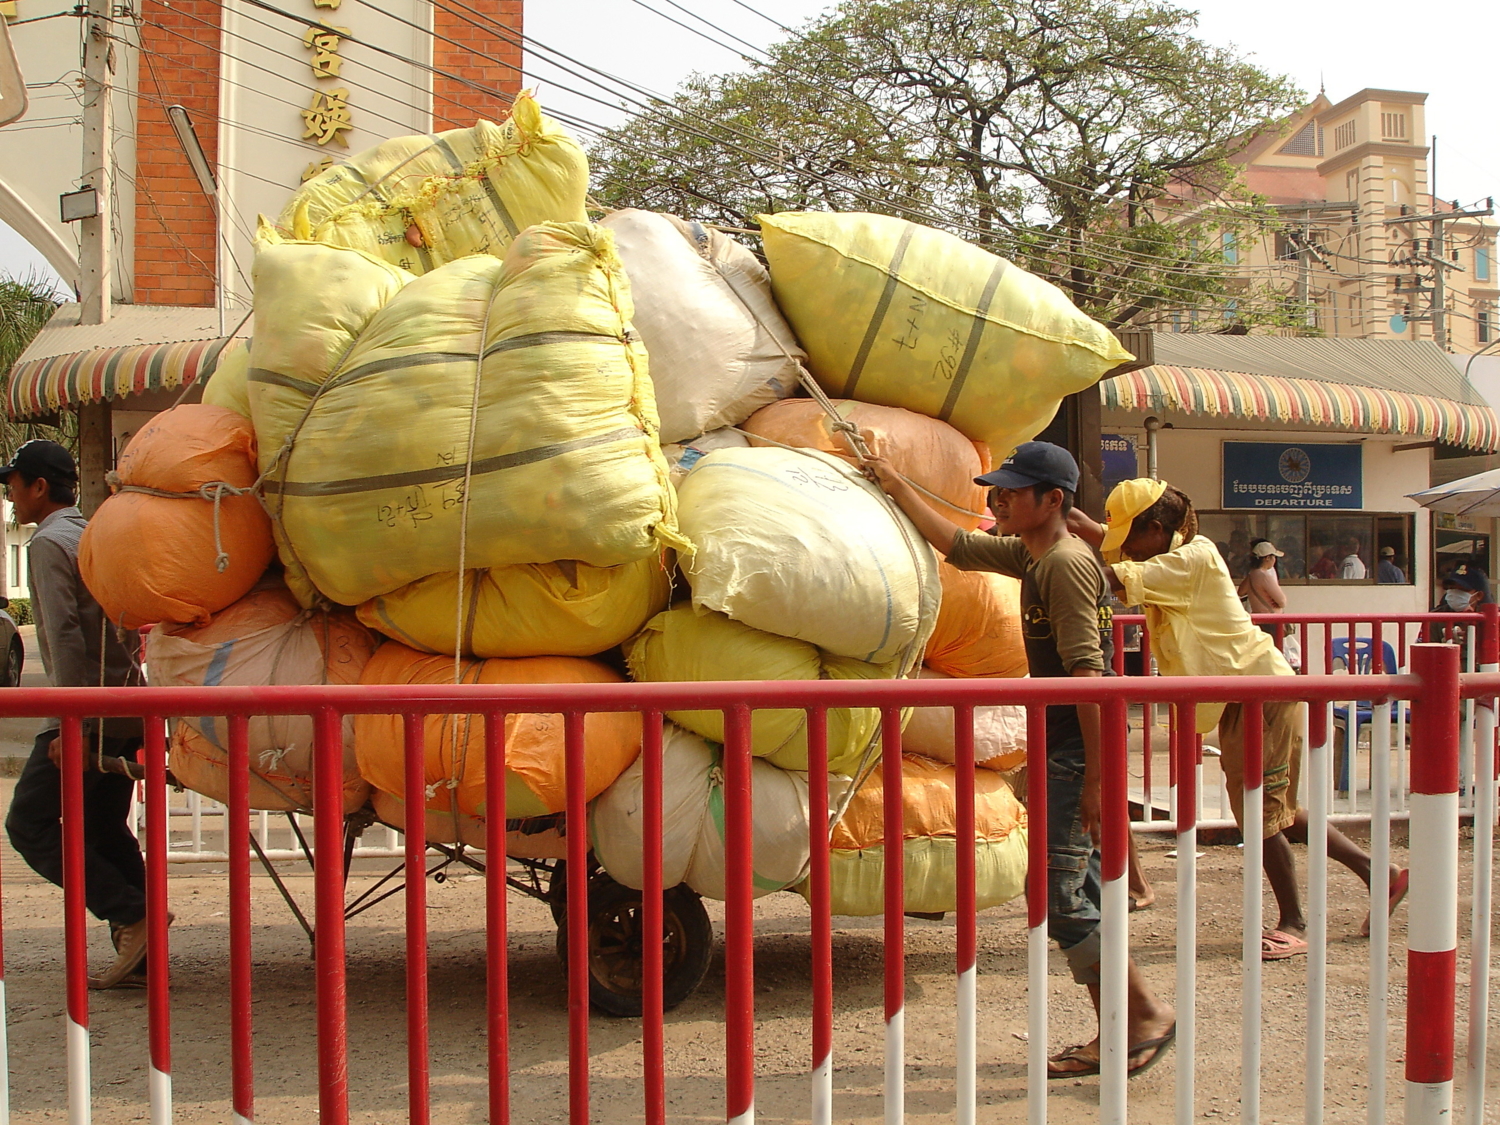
(903, 315)
(535, 756)
(798, 543)
(226, 387)
(491, 413)
(685, 644)
(421, 201)
(930, 842)
(546, 609)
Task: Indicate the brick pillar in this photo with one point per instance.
(174, 220)
(471, 48)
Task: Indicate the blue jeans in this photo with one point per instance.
(1074, 881)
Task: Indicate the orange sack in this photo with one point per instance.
(534, 752)
(929, 452)
(265, 638)
(978, 629)
(149, 558)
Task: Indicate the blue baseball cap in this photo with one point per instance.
(1034, 462)
(1467, 577)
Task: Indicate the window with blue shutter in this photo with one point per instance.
(1482, 264)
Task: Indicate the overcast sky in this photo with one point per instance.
(1447, 51)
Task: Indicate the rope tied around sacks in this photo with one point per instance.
(213, 491)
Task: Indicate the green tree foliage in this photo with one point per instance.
(1089, 140)
(26, 304)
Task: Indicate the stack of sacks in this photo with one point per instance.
(930, 846)
(267, 639)
(504, 418)
(455, 768)
(903, 315)
(159, 548)
(719, 347)
(931, 454)
(802, 570)
(978, 634)
(693, 819)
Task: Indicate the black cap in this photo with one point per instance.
(1467, 577)
(41, 458)
(1034, 462)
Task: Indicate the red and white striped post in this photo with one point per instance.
(241, 992)
(1253, 725)
(1036, 914)
(1432, 927)
(739, 921)
(75, 923)
(328, 900)
(653, 1032)
(966, 921)
(577, 888)
(1185, 752)
(820, 879)
(158, 1000)
(414, 828)
(1484, 867)
(497, 926)
(1114, 926)
(893, 854)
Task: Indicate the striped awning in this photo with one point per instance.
(61, 382)
(1237, 394)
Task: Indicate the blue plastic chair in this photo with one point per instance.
(1360, 663)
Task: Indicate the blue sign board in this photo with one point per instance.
(1120, 461)
(1262, 474)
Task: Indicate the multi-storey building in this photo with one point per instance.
(1353, 243)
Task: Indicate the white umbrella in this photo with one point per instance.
(1478, 495)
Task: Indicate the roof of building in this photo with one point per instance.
(1373, 386)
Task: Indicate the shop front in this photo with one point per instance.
(1321, 469)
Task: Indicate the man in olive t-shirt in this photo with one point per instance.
(1066, 627)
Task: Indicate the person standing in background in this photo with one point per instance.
(1261, 586)
(1353, 567)
(79, 649)
(1388, 573)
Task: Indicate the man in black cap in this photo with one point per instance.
(79, 649)
(1065, 623)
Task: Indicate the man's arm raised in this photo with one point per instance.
(937, 530)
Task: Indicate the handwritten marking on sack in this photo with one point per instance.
(818, 480)
(913, 331)
(413, 507)
(953, 350)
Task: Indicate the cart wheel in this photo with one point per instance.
(615, 921)
(557, 892)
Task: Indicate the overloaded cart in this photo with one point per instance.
(478, 438)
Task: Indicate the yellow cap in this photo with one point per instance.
(1129, 499)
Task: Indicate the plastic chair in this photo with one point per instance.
(1360, 663)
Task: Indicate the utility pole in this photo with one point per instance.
(95, 427)
(98, 166)
(1437, 252)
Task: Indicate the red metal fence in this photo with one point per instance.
(1434, 686)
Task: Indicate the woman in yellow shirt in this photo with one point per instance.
(1156, 558)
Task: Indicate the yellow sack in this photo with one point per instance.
(422, 201)
(366, 384)
(226, 386)
(684, 644)
(930, 843)
(903, 315)
(546, 609)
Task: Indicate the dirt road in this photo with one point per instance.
(285, 1054)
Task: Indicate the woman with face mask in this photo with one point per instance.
(1465, 589)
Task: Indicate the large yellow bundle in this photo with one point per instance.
(501, 405)
(930, 842)
(687, 645)
(419, 202)
(903, 315)
(546, 609)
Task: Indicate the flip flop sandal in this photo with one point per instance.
(1074, 1054)
(1399, 886)
(1158, 1047)
(1278, 946)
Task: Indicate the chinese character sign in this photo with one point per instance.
(327, 116)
